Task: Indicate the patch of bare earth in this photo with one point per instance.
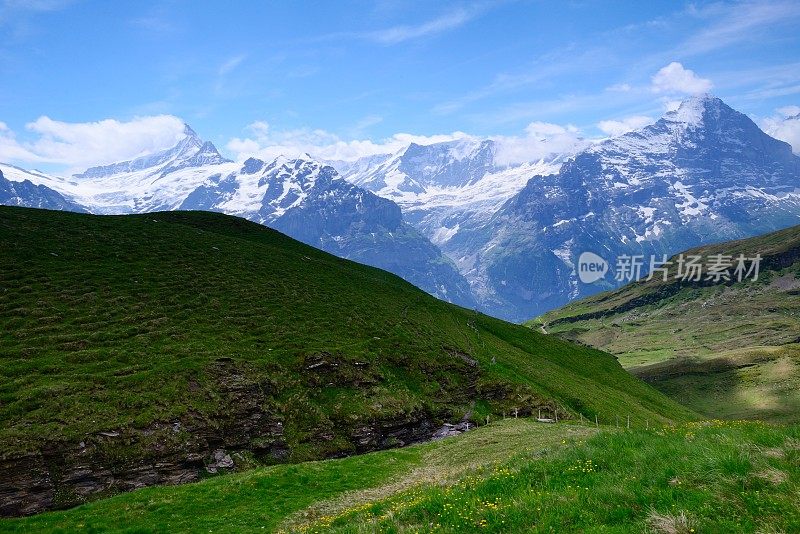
(678, 523)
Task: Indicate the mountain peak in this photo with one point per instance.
(706, 101)
(252, 165)
(692, 110)
(189, 132)
(209, 148)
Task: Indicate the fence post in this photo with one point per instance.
(629, 422)
(596, 424)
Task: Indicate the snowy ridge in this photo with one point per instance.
(443, 185)
(24, 188)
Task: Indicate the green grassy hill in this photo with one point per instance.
(510, 476)
(151, 349)
(725, 350)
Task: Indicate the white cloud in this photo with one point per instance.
(406, 138)
(789, 111)
(674, 78)
(540, 129)
(80, 145)
(267, 144)
(246, 147)
(230, 64)
(542, 139)
(11, 149)
(784, 126)
(619, 88)
(259, 128)
(449, 21)
(671, 105)
(619, 127)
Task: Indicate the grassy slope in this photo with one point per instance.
(300, 494)
(115, 322)
(716, 477)
(725, 350)
(511, 476)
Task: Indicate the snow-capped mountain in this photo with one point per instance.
(23, 188)
(301, 197)
(153, 182)
(700, 174)
(442, 185)
(417, 168)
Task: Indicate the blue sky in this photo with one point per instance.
(248, 75)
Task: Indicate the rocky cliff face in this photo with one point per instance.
(64, 474)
